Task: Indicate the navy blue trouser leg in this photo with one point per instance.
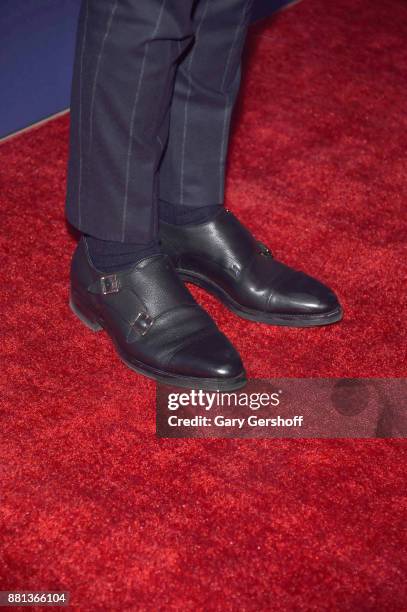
(154, 84)
(207, 82)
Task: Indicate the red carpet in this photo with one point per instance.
(91, 501)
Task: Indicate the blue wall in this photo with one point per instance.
(36, 51)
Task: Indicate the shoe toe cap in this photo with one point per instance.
(211, 357)
(302, 294)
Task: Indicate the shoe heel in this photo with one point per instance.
(84, 315)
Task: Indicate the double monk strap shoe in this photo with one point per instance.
(156, 326)
(224, 258)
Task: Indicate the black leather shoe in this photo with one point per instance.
(223, 257)
(156, 326)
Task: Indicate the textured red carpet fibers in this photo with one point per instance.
(91, 501)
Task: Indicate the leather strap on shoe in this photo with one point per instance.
(112, 283)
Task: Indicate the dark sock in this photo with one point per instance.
(109, 256)
(177, 214)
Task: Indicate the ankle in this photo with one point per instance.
(109, 256)
(177, 214)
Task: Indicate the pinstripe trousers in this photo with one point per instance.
(154, 85)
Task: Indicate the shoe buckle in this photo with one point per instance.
(265, 251)
(110, 284)
(143, 322)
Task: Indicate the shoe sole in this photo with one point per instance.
(261, 317)
(165, 378)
